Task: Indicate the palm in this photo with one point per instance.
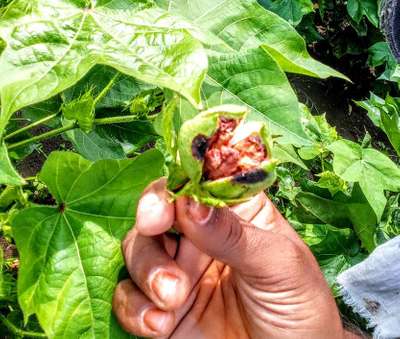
(270, 286)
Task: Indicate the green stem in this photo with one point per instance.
(50, 134)
(18, 332)
(106, 89)
(43, 136)
(116, 120)
(28, 127)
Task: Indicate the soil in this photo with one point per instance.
(335, 98)
(32, 164)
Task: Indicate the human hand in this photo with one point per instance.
(233, 273)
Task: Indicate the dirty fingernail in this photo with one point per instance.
(200, 213)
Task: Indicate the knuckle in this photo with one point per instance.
(128, 240)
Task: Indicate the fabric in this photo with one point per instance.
(390, 24)
(372, 289)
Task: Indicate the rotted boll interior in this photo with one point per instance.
(226, 156)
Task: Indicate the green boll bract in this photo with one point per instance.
(225, 159)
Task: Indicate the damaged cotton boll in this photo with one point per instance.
(225, 159)
(233, 150)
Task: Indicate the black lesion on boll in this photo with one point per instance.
(251, 177)
(199, 147)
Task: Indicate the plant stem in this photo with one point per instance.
(116, 120)
(18, 332)
(106, 89)
(28, 127)
(97, 122)
(43, 136)
(48, 118)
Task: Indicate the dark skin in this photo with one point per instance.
(236, 273)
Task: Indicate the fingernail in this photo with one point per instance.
(157, 321)
(200, 213)
(164, 285)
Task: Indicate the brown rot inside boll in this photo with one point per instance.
(224, 158)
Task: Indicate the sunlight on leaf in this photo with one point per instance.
(8, 175)
(69, 40)
(70, 253)
(373, 170)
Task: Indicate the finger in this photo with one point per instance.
(248, 210)
(270, 219)
(155, 272)
(138, 315)
(223, 235)
(171, 243)
(155, 213)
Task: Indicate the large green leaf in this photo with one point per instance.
(51, 44)
(357, 9)
(291, 10)
(327, 210)
(70, 253)
(93, 146)
(374, 171)
(112, 141)
(354, 210)
(8, 174)
(253, 78)
(245, 24)
(121, 91)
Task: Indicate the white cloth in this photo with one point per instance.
(372, 289)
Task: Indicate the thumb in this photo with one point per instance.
(224, 236)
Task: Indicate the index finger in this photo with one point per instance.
(155, 214)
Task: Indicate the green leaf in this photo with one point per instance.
(42, 110)
(290, 10)
(328, 211)
(123, 89)
(131, 136)
(354, 210)
(373, 107)
(380, 54)
(11, 194)
(287, 153)
(253, 78)
(70, 253)
(374, 171)
(389, 227)
(70, 39)
(332, 182)
(239, 25)
(2, 290)
(385, 115)
(94, 146)
(82, 110)
(288, 188)
(335, 249)
(357, 9)
(113, 141)
(319, 131)
(8, 175)
(335, 265)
